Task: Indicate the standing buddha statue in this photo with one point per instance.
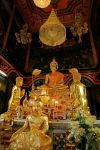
(16, 95)
(78, 93)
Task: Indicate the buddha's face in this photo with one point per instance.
(76, 77)
(53, 68)
(19, 81)
(53, 65)
(37, 108)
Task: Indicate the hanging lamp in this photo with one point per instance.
(52, 32)
(42, 3)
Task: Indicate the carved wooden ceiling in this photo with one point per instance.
(65, 10)
(72, 54)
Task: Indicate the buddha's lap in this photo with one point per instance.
(32, 137)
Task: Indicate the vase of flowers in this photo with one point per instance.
(83, 134)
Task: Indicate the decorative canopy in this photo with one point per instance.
(42, 3)
(52, 32)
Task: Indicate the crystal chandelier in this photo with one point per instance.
(23, 36)
(79, 28)
(52, 32)
(42, 3)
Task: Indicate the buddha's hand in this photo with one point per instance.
(22, 92)
(7, 127)
(15, 92)
(14, 137)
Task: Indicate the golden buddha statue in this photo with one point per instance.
(35, 138)
(26, 109)
(55, 78)
(7, 120)
(78, 93)
(55, 81)
(54, 88)
(16, 95)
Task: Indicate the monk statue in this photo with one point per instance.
(16, 95)
(35, 137)
(78, 93)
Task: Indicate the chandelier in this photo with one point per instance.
(78, 28)
(42, 3)
(23, 36)
(52, 32)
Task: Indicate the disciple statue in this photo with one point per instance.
(78, 93)
(35, 138)
(16, 95)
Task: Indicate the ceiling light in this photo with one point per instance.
(42, 3)
(52, 32)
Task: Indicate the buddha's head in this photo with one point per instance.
(73, 70)
(76, 74)
(37, 106)
(19, 81)
(53, 65)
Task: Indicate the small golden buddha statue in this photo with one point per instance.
(26, 109)
(8, 120)
(35, 138)
(16, 95)
(78, 93)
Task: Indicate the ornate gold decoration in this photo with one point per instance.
(42, 3)
(78, 27)
(36, 72)
(23, 36)
(52, 32)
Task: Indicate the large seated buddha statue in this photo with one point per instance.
(54, 84)
(55, 78)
